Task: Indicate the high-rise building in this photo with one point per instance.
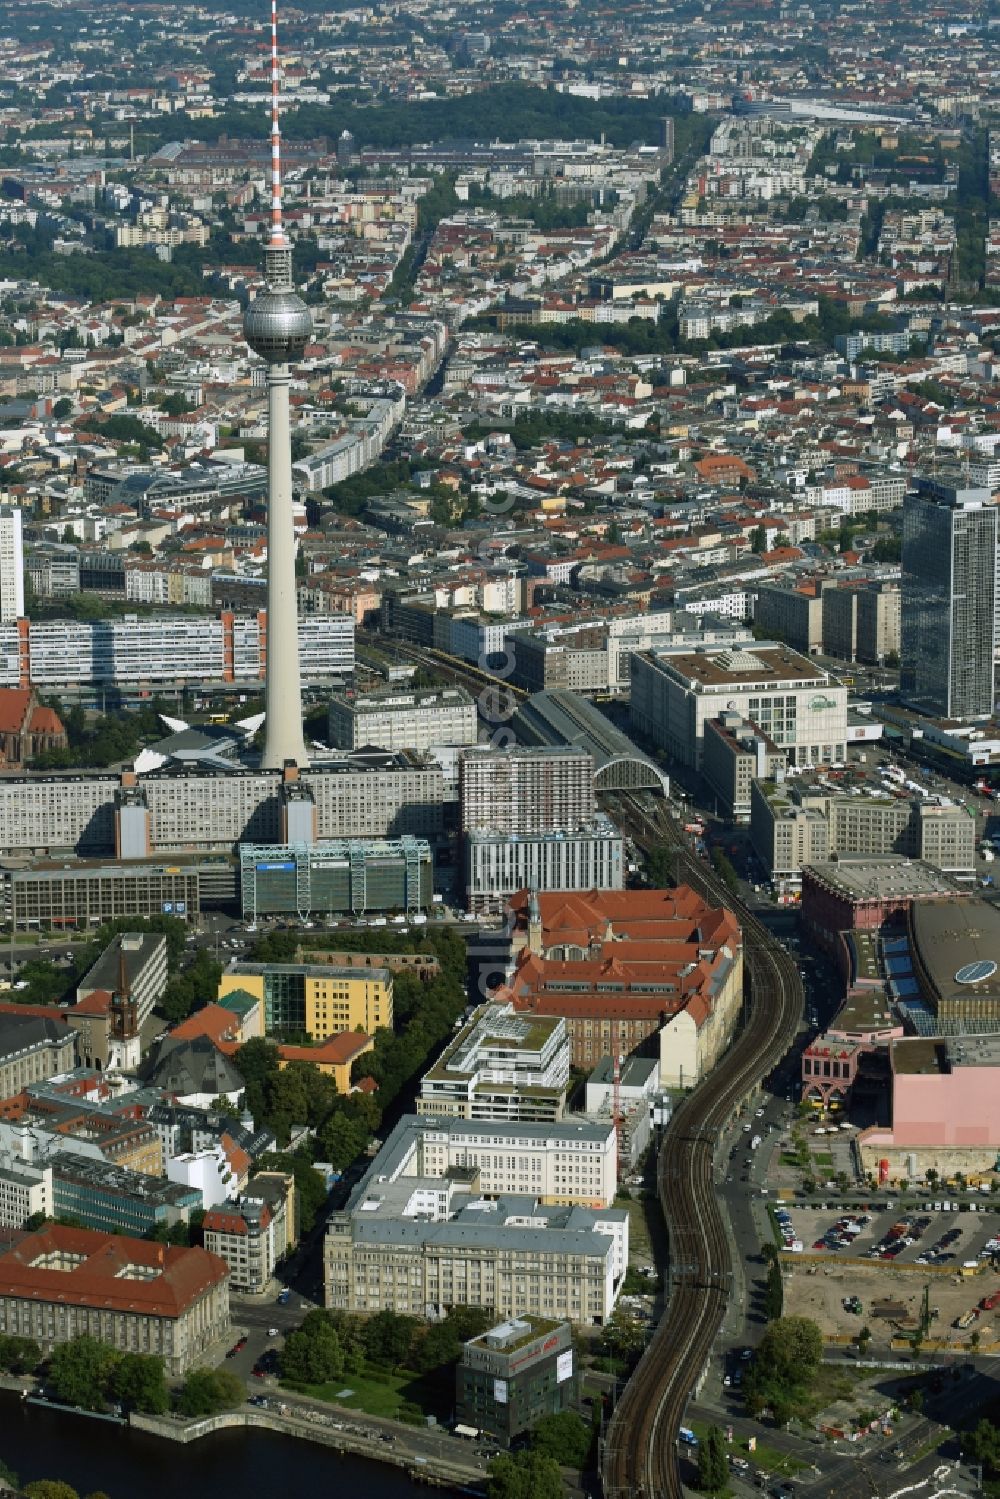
(949, 600)
(667, 137)
(525, 790)
(277, 326)
(11, 566)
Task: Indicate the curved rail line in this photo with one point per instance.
(639, 1459)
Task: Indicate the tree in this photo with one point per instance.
(341, 1140)
(137, 1383)
(565, 1437)
(313, 1354)
(191, 990)
(713, 1469)
(982, 1444)
(50, 1488)
(80, 1370)
(792, 1347)
(176, 404)
(784, 1366)
(388, 1337)
(864, 1338)
(258, 1063)
(310, 1187)
(62, 408)
(758, 539)
(442, 1343)
(524, 1475)
(208, 1391)
(19, 1355)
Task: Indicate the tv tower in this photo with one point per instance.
(277, 326)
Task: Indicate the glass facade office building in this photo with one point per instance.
(949, 600)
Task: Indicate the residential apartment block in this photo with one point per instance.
(11, 567)
(242, 1234)
(862, 623)
(736, 754)
(135, 816)
(165, 649)
(794, 615)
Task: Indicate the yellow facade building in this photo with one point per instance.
(318, 999)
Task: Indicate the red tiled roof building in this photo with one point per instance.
(656, 972)
(60, 1283)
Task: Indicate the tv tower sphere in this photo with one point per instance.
(277, 325)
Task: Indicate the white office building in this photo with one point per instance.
(590, 856)
(24, 1191)
(514, 1217)
(501, 1065)
(402, 720)
(11, 566)
(793, 702)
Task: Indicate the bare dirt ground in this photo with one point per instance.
(818, 1291)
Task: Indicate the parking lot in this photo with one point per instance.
(915, 1236)
(870, 1269)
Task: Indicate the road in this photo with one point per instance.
(265, 1325)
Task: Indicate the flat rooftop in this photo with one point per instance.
(767, 663)
(973, 1051)
(508, 1337)
(865, 966)
(493, 1028)
(882, 878)
(403, 702)
(917, 1056)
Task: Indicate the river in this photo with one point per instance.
(132, 1465)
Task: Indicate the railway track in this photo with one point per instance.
(503, 696)
(639, 1459)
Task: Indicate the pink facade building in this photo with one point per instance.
(865, 894)
(945, 1108)
(829, 1066)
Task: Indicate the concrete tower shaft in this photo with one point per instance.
(277, 326)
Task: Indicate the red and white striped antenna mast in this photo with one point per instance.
(278, 239)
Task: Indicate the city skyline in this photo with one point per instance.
(499, 750)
